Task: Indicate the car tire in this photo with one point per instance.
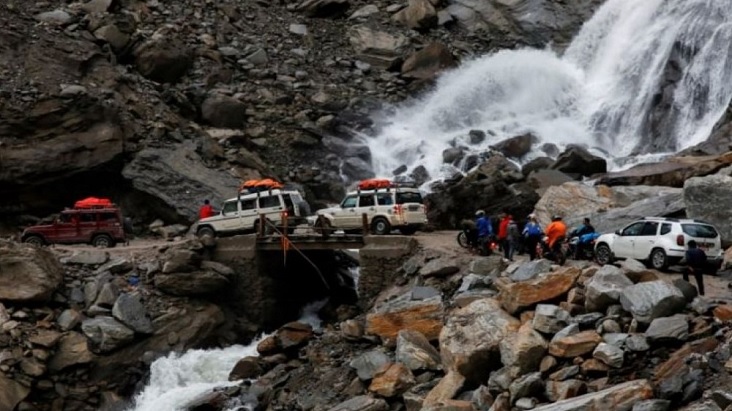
(206, 232)
(658, 259)
(380, 226)
(603, 255)
(323, 227)
(35, 240)
(408, 230)
(103, 240)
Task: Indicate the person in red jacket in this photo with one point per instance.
(206, 210)
(503, 232)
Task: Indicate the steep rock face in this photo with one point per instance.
(703, 196)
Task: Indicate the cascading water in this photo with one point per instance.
(603, 92)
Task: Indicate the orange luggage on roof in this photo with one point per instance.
(260, 185)
(268, 183)
(93, 202)
(374, 183)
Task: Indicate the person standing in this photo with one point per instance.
(503, 230)
(556, 232)
(206, 210)
(532, 234)
(512, 238)
(696, 264)
(485, 230)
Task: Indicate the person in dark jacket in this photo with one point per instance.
(696, 263)
(485, 230)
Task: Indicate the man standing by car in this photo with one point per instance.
(696, 263)
(556, 232)
(206, 210)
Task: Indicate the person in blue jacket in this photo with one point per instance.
(485, 228)
(586, 233)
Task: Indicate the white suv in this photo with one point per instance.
(386, 209)
(241, 214)
(659, 241)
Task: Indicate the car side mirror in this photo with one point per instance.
(618, 232)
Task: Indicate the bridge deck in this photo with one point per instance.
(311, 242)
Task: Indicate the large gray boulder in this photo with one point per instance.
(651, 300)
(163, 58)
(378, 48)
(27, 274)
(550, 319)
(129, 310)
(531, 269)
(362, 403)
(224, 111)
(11, 393)
(668, 329)
(523, 350)
(605, 287)
(107, 334)
(369, 363)
(703, 195)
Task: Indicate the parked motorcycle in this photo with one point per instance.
(468, 238)
(559, 257)
(588, 246)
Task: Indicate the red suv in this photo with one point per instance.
(101, 227)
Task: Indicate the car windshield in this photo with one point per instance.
(408, 197)
(699, 230)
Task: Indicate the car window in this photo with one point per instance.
(408, 197)
(665, 228)
(87, 217)
(250, 204)
(229, 207)
(699, 230)
(269, 202)
(634, 229)
(384, 199)
(649, 229)
(108, 217)
(366, 200)
(349, 202)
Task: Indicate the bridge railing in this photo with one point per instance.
(321, 227)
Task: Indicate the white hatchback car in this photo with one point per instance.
(386, 209)
(659, 241)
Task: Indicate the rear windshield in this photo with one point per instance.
(408, 197)
(699, 230)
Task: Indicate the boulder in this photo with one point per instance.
(516, 147)
(672, 172)
(562, 390)
(637, 343)
(112, 34)
(87, 257)
(470, 340)
(392, 381)
(575, 345)
(517, 296)
(605, 287)
(723, 312)
(541, 180)
(531, 270)
(609, 354)
(529, 385)
(445, 390)
(187, 284)
(365, 11)
(424, 316)
(550, 319)
(576, 160)
(27, 274)
(439, 267)
(619, 397)
(11, 393)
(163, 59)
(647, 301)
(69, 319)
(106, 333)
(223, 111)
(56, 17)
(668, 329)
(294, 335)
(571, 329)
(702, 195)
(378, 48)
(324, 8)
(72, 349)
(419, 15)
(130, 311)
(487, 265)
(565, 373)
(246, 368)
(369, 363)
(523, 350)
(427, 63)
(45, 338)
(361, 403)
(416, 352)
(652, 405)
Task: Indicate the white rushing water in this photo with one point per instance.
(600, 93)
(178, 379)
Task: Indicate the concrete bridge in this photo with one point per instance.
(272, 283)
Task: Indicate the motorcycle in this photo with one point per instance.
(559, 257)
(587, 242)
(468, 238)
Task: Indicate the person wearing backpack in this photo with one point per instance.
(532, 235)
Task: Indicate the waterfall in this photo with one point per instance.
(641, 77)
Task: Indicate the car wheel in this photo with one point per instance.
(603, 255)
(103, 240)
(408, 230)
(206, 232)
(323, 227)
(659, 260)
(380, 226)
(34, 240)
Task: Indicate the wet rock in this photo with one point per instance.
(531, 270)
(472, 336)
(425, 316)
(392, 381)
(516, 147)
(294, 335)
(668, 329)
(701, 194)
(637, 343)
(487, 265)
(452, 155)
(540, 163)
(106, 333)
(72, 350)
(562, 390)
(517, 296)
(578, 161)
(361, 403)
(605, 287)
(419, 14)
(11, 393)
(27, 274)
(223, 111)
(55, 17)
(652, 405)
(246, 368)
(380, 49)
(187, 284)
(529, 385)
(647, 301)
(523, 350)
(672, 172)
(476, 136)
(129, 310)
(609, 354)
(416, 352)
(550, 319)
(440, 267)
(619, 397)
(575, 345)
(369, 363)
(163, 59)
(324, 8)
(427, 63)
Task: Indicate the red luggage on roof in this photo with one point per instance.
(93, 202)
(374, 183)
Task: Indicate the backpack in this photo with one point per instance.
(533, 230)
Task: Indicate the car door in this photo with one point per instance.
(624, 244)
(345, 216)
(230, 217)
(248, 213)
(272, 207)
(65, 228)
(366, 205)
(645, 241)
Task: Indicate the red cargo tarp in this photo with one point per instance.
(373, 184)
(93, 202)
